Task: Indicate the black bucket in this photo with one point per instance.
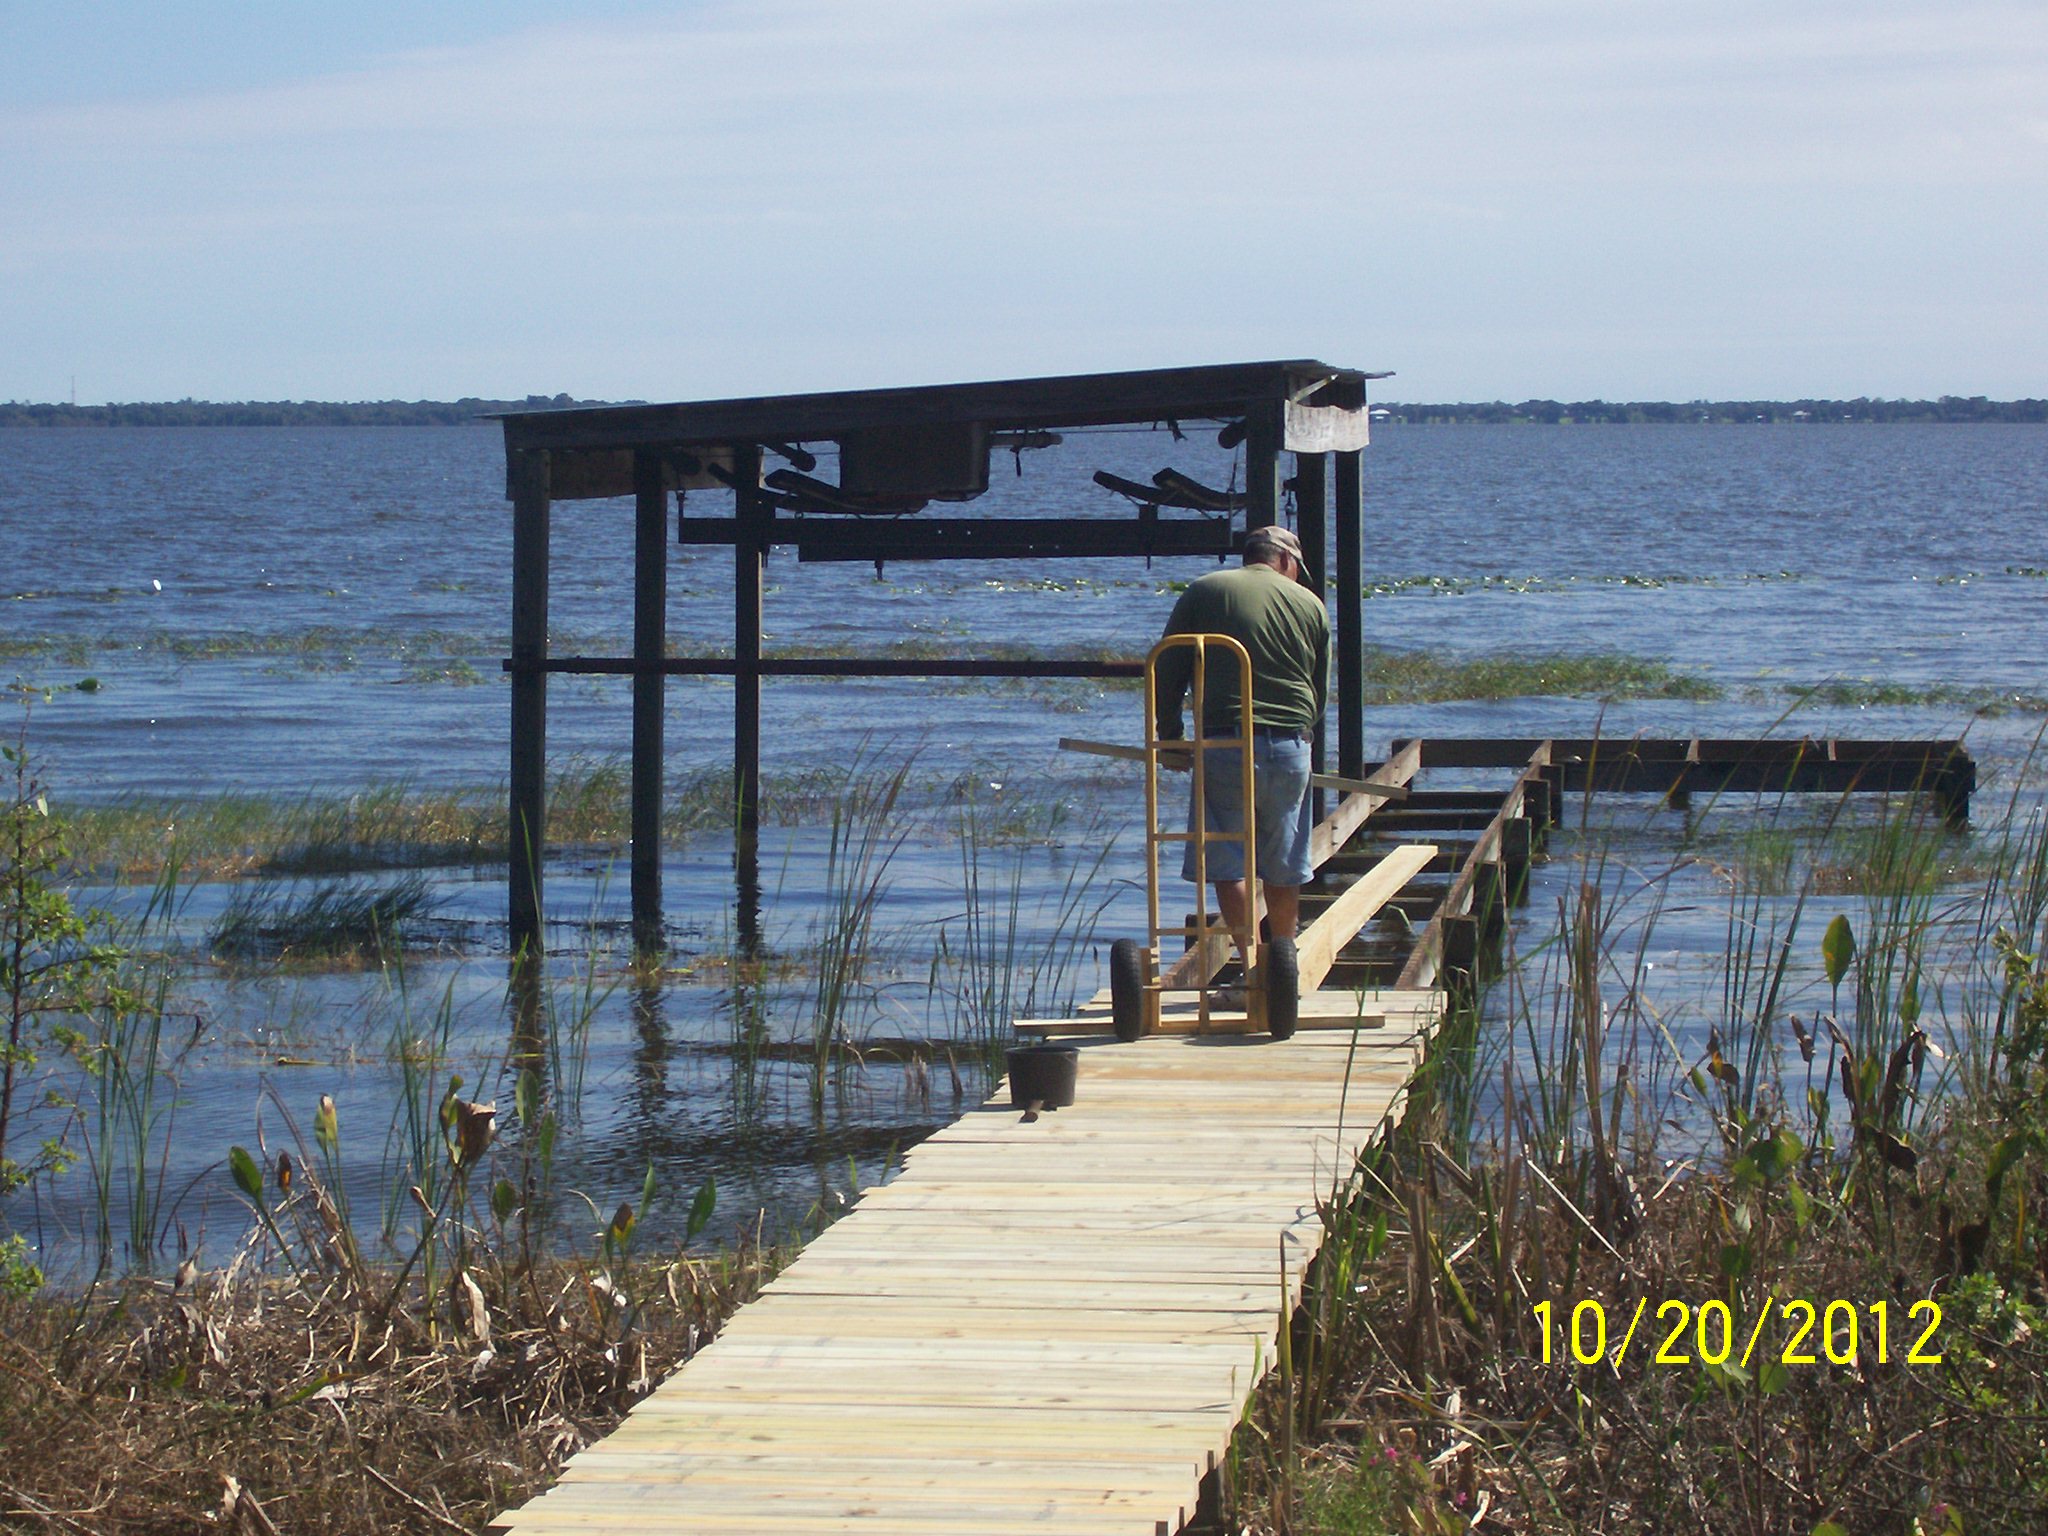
(1042, 1074)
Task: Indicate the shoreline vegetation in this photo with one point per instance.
(1587, 1285)
(469, 410)
(1866, 1146)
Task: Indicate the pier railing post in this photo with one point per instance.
(650, 633)
(1350, 625)
(750, 545)
(1263, 434)
(527, 822)
(1312, 520)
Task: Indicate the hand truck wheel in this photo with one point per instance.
(1282, 968)
(1127, 980)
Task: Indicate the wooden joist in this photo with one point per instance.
(1426, 961)
(1337, 781)
(891, 538)
(1741, 765)
(1337, 924)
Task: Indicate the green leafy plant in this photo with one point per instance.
(57, 969)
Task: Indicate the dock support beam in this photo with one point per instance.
(528, 810)
(1350, 626)
(750, 548)
(1312, 523)
(650, 634)
(1262, 439)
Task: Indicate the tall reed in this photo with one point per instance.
(863, 840)
(1018, 953)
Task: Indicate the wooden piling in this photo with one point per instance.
(1262, 440)
(527, 474)
(1518, 851)
(752, 514)
(1311, 514)
(1349, 637)
(650, 633)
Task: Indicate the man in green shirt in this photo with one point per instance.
(1283, 625)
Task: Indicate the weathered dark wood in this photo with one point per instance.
(1010, 538)
(1458, 944)
(1942, 768)
(749, 556)
(838, 666)
(1349, 626)
(527, 819)
(1677, 752)
(898, 447)
(1204, 498)
(989, 538)
(650, 633)
(1216, 392)
(1406, 821)
(1159, 493)
(1518, 852)
(1311, 522)
(1262, 468)
(1953, 787)
(1442, 944)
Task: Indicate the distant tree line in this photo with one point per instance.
(278, 413)
(1553, 412)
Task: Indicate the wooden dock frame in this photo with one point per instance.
(899, 449)
(1464, 921)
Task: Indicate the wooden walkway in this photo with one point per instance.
(1038, 1325)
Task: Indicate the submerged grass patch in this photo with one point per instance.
(398, 825)
(334, 921)
(1420, 677)
(1869, 693)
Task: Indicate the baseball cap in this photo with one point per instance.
(1275, 540)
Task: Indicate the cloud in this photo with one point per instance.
(979, 184)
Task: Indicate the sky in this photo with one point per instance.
(619, 199)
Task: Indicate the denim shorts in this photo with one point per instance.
(1280, 770)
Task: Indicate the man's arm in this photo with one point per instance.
(1323, 673)
(1173, 674)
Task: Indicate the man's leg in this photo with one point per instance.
(1283, 908)
(1231, 901)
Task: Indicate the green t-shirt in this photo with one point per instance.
(1284, 627)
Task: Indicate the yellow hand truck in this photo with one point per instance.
(1137, 985)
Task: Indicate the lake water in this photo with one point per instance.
(323, 610)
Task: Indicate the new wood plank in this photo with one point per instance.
(1044, 1324)
(1354, 907)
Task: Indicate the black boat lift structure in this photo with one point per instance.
(899, 451)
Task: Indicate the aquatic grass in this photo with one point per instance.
(1014, 958)
(1723, 1187)
(335, 922)
(1420, 677)
(127, 1095)
(1877, 693)
(132, 1084)
(863, 841)
(396, 825)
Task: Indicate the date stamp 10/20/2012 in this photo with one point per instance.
(1805, 1333)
